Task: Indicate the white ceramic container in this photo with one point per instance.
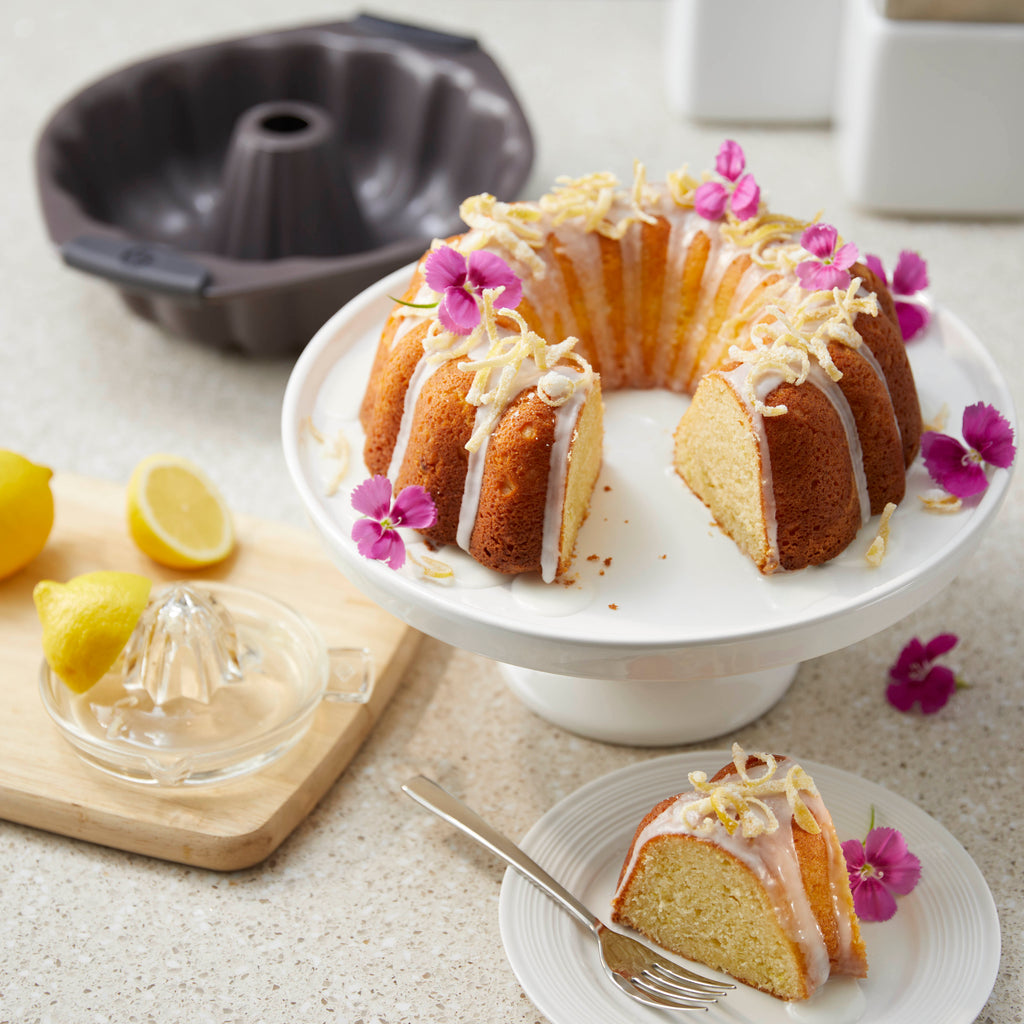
(928, 117)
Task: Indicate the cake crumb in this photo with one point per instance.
(593, 558)
(607, 562)
(606, 488)
(614, 607)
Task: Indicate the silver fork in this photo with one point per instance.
(638, 971)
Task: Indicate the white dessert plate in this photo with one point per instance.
(935, 961)
(660, 593)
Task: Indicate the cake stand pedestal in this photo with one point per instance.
(666, 634)
(649, 712)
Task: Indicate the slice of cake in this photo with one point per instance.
(745, 873)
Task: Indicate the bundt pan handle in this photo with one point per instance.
(136, 265)
(239, 193)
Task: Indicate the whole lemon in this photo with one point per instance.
(26, 511)
(87, 622)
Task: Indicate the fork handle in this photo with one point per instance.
(430, 795)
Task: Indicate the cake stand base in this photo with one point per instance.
(644, 713)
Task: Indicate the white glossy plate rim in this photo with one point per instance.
(357, 324)
(936, 960)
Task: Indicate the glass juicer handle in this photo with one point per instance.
(351, 679)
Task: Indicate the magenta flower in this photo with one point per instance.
(742, 194)
(917, 679)
(959, 469)
(462, 282)
(831, 268)
(881, 868)
(909, 277)
(377, 535)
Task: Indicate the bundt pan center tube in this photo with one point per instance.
(291, 150)
(238, 193)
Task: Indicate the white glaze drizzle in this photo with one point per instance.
(566, 415)
(737, 379)
(565, 431)
(834, 393)
(471, 494)
(630, 356)
(521, 233)
(584, 252)
(771, 857)
(869, 357)
(423, 372)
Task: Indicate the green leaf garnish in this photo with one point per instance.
(415, 305)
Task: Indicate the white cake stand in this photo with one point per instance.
(668, 634)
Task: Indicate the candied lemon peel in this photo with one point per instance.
(880, 545)
(737, 801)
(432, 568)
(335, 450)
(938, 501)
(592, 198)
(778, 343)
(510, 342)
(786, 343)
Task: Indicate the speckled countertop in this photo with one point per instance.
(373, 911)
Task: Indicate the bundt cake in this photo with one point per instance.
(804, 413)
(745, 874)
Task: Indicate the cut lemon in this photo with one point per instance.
(26, 511)
(176, 515)
(87, 622)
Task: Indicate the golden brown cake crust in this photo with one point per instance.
(509, 526)
(645, 821)
(880, 439)
(649, 313)
(436, 455)
(882, 335)
(826, 903)
(812, 854)
(817, 506)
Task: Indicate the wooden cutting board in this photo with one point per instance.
(43, 783)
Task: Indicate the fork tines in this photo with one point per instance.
(673, 987)
(642, 991)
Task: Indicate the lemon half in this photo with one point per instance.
(176, 515)
(26, 511)
(87, 622)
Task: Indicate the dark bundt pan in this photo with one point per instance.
(238, 193)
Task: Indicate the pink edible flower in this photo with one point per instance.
(730, 161)
(959, 469)
(831, 268)
(377, 535)
(917, 679)
(880, 868)
(742, 194)
(462, 283)
(909, 277)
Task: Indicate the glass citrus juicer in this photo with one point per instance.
(215, 682)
